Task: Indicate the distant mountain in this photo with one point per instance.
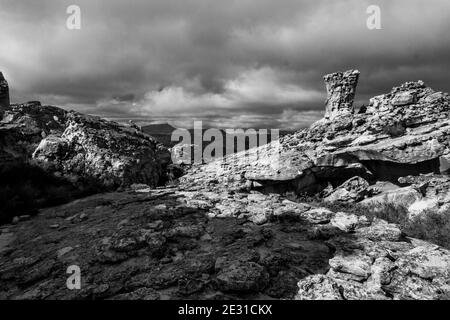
(163, 128)
(161, 132)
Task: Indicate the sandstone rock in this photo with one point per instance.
(381, 230)
(364, 139)
(421, 206)
(341, 88)
(359, 266)
(402, 132)
(352, 190)
(318, 215)
(404, 98)
(382, 187)
(380, 274)
(52, 148)
(345, 222)
(140, 187)
(111, 154)
(91, 148)
(318, 287)
(259, 217)
(427, 262)
(64, 251)
(242, 277)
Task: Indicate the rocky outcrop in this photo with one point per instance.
(417, 271)
(4, 94)
(341, 89)
(82, 148)
(50, 156)
(423, 193)
(401, 133)
(104, 151)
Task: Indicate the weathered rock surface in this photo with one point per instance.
(352, 190)
(175, 243)
(401, 133)
(417, 271)
(341, 89)
(50, 156)
(81, 147)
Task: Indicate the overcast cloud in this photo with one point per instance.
(249, 63)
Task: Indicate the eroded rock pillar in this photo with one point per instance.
(341, 88)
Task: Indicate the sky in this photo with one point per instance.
(234, 63)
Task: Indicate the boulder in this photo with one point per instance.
(352, 190)
(318, 287)
(345, 222)
(404, 98)
(381, 230)
(105, 152)
(356, 265)
(52, 148)
(420, 207)
(91, 148)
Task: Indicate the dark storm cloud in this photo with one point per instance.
(251, 62)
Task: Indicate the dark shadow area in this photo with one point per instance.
(26, 187)
(315, 181)
(391, 171)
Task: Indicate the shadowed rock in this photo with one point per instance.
(4, 94)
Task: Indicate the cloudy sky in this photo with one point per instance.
(234, 63)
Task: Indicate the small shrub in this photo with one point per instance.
(429, 226)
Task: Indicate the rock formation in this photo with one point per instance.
(402, 133)
(72, 154)
(4, 94)
(104, 151)
(341, 89)
(228, 230)
(82, 147)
